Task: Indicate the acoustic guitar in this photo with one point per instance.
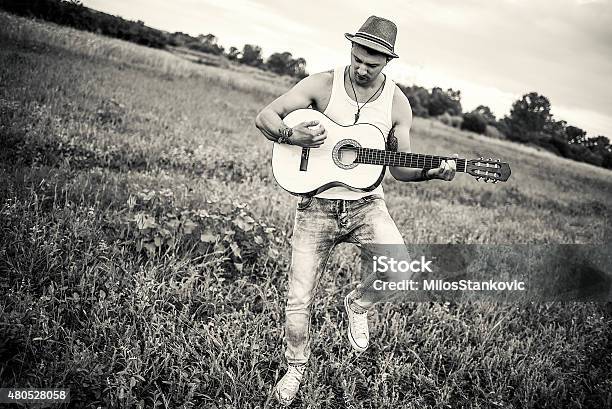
(354, 156)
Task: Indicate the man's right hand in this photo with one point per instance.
(309, 134)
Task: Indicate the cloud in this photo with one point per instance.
(256, 13)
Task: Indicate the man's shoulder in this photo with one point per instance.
(326, 74)
(402, 111)
(320, 79)
(399, 96)
(400, 100)
(316, 86)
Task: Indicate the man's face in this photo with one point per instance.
(366, 66)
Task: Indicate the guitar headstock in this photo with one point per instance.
(490, 170)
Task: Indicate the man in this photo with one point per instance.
(357, 93)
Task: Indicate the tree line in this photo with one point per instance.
(529, 121)
(72, 13)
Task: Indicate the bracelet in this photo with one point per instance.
(285, 134)
(424, 175)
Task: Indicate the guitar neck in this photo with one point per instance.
(404, 159)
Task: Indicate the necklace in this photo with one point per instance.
(369, 99)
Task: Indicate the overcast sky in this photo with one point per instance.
(494, 51)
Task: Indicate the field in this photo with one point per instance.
(144, 249)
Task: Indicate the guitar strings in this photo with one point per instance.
(415, 160)
(407, 159)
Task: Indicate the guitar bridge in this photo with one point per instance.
(304, 159)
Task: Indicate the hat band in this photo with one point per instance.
(378, 40)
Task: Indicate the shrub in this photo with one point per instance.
(451, 120)
(475, 122)
(494, 132)
(607, 160)
(228, 232)
(456, 121)
(445, 118)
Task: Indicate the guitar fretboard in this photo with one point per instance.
(404, 159)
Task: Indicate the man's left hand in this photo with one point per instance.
(446, 171)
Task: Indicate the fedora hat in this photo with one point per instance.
(378, 34)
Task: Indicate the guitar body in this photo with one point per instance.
(309, 171)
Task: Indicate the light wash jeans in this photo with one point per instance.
(319, 225)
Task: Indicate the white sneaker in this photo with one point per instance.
(286, 389)
(358, 333)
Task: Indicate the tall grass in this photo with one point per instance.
(32, 34)
(144, 246)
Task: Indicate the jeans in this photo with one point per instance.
(319, 225)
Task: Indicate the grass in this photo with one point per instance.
(144, 247)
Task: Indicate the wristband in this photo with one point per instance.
(424, 175)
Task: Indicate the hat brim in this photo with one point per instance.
(370, 44)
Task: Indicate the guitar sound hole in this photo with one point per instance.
(347, 155)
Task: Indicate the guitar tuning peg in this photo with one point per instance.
(497, 160)
(490, 159)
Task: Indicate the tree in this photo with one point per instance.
(251, 55)
(285, 64)
(554, 138)
(575, 135)
(556, 128)
(233, 54)
(598, 145)
(486, 113)
(208, 39)
(206, 44)
(298, 68)
(444, 101)
(528, 116)
(418, 98)
(280, 63)
(180, 39)
(607, 160)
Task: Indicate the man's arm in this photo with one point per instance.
(402, 121)
(307, 134)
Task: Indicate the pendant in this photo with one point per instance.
(356, 117)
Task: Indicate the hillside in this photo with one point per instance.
(145, 244)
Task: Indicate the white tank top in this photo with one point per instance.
(342, 109)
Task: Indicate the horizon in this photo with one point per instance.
(459, 52)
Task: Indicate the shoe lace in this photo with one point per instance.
(293, 377)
